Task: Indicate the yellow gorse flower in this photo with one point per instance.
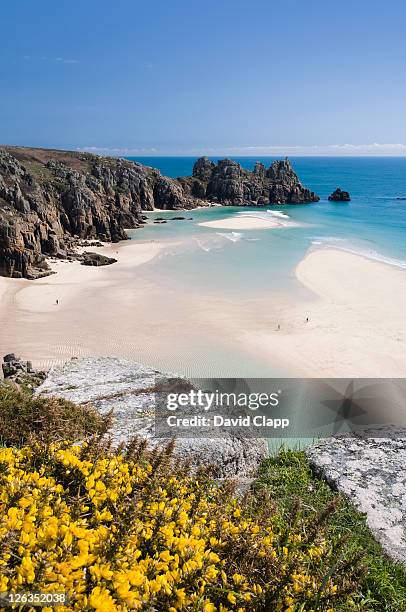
(114, 534)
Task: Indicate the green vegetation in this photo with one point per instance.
(134, 529)
(288, 478)
(152, 535)
(25, 418)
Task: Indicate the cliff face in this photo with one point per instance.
(228, 183)
(50, 199)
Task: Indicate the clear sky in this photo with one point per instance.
(214, 76)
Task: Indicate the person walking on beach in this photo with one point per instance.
(57, 302)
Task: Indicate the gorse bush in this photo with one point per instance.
(135, 530)
(24, 417)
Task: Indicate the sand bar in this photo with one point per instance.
(241, 222)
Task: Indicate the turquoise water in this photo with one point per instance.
(372, 224)
(249, 264)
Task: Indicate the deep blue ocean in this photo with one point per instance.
(372, 224)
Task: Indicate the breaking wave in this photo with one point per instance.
(277, 213)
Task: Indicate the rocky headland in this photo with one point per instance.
(227, 183)
(50, 200)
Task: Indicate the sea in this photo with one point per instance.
(372, 224)
(241, 265)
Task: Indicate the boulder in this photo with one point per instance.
(96, 259)
(9, 358)
(128, 389)
(14, 366)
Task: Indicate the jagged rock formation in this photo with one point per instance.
(47, 198)
(339, 196)
(20, 372)
(229, 184)
(128, 391)
(13, 366)
(51, 199)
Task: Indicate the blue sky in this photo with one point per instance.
(219, 76)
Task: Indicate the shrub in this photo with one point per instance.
(133, 529)
(24, 417)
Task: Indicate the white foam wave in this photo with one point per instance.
(375, 256)
(328, 238)
(277, 213)
(233, 236)
(202, 246)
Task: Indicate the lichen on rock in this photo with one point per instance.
(370, 470)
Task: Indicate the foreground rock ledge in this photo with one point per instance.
(125, 387)
(371, 473)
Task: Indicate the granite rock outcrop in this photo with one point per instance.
(228, 183)
(369, 469)
(96, 259)
(127, 391)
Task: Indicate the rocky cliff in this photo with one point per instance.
(51, 199)
(229, 184)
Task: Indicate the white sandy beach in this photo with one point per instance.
(355, 306)
(357, 323)
(115, 310)
(243, 222)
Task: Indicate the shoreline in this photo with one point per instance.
(117, 310)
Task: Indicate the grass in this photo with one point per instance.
(25, 418)
(287, 477)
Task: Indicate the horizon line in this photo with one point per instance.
(374, 150)
(334, 150)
